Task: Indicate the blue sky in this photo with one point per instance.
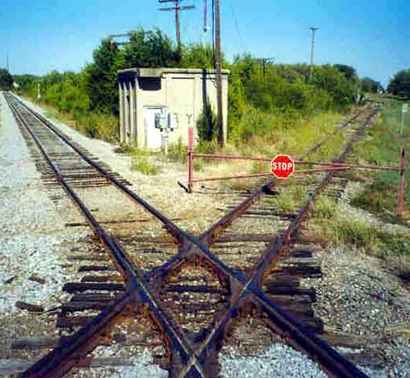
(371, 35)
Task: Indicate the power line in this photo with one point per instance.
(237, 26)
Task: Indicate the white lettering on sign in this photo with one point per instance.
(405, 108)
(282, 166)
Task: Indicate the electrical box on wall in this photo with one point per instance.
(159, 101)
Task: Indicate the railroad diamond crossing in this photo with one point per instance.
(173, 207)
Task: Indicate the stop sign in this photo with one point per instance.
(283, 166)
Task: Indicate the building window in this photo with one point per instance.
(150, 83)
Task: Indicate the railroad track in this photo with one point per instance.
(156, 270)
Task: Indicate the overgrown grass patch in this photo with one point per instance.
(141, 162)
(380, 196)
(267, 134)
(92, 124)
(97, 125)
(382, 147)
(290, 198)
(177, 152)
(335, 228)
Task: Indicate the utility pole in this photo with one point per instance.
(205, 16)
(7, 62)
(218, 68)
(122, 36)
(312, 51)
(177, 8)
(264, 63)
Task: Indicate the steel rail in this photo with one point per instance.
(330, 359)
(220, 225)
(326, 137)
(281, 242)
(52, 365)
(173, 229)
(240, 278)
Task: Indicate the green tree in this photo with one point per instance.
(336, 84)
(6, 80)
(348, 71)
(197, 56)
(206, 123)
(369, 85)
(150, 48)
(400, 84)
(101, 78)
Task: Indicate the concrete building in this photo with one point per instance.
(157, 105)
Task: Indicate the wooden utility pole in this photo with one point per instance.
(264, 63)
(218, 68)
(176, 8)
(205, 16)
(312, 51)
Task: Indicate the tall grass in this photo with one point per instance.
(333, 227)
(268, 133)
(382, 147)
(141, 162)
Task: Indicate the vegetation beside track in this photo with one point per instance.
(331, 225)
(369, 231)
(262, 100)
(382, 147)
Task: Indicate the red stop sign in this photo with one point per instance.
(283, 166)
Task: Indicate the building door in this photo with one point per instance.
(152, 134)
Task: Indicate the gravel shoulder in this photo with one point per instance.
(33, 241)
(35, 244)
(193, 212)
(357, 295)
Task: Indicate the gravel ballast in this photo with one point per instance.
(353, 294)
(34, 244)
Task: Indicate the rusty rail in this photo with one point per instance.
(327, 166)
(192, 358)
(249, 288)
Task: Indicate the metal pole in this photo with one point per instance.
(312, 51)
(205, 16)
(400, 199)
(178, 27)
(403, 114)
(218, 67)
(190, 158)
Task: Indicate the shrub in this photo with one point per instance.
(141, 163)
(206, 124)
(177, 152)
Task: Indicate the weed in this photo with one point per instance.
(98, 125)
(141, 162)
(124, 149)
(325, 208)
(333, 227)
(177, 152)
(289, 199)
(383, 148)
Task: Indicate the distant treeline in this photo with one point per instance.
(289, 92)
